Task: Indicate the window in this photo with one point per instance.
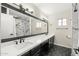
(38, 25)
(62, 22)
(59, 22)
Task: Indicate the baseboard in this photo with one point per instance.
(62, 45)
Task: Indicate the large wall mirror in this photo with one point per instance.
(16, 24)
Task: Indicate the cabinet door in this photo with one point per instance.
(7, 26)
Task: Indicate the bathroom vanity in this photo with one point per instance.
(32, 46)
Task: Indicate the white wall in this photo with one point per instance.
(60, 39)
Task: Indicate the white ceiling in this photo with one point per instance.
(50, 8)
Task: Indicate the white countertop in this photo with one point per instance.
(12, 49)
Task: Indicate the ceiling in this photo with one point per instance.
(51, 8)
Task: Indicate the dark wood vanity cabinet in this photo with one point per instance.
(42, 48)
(38, 50)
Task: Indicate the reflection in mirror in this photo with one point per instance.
(22, 23)
(38, 26)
